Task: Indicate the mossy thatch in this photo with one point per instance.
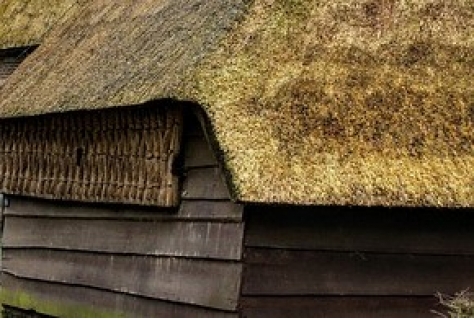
(25, 22)
(313, 102)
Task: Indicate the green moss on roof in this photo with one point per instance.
(313, 102)
(24, 22)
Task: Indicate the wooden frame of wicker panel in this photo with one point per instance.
(111, 156)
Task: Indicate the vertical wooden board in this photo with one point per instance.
(361, 229)
(205, 183)
(340, 307)
(283, 272)
(207, 283)
(75, 301)
(174, 238)
(198, 153)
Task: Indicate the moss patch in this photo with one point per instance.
(27, 301)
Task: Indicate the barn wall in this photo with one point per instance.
(353, 262)
(66, 259)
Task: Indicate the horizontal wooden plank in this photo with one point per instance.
(197, 210)
(340, 307)
(208, 209)
(28, 206)
(200, 282)
(174, 238)
(198, 153)
(400, 230)
(205, 183)
(75, 301)
(283, 272)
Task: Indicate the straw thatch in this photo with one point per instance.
(312, 102)
(25, 22)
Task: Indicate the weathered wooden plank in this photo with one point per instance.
(362, 229)
(75, 301)
(205, 183)
(197, 210)
(198, 153)
(28, 206)
(188, 239)
(212, 284)
(283, 272)
(340, 307)
(219, 210)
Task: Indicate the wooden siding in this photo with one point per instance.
(127, 260)
(351, 262)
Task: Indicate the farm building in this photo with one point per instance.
(239, 158)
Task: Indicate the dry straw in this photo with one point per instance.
(461, 305)
(342, 102)
(25, 22)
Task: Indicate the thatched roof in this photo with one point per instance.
(25, 22)
(342, 102)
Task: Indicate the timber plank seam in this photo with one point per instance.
(140, 275)
(195, 307)
(190, 210)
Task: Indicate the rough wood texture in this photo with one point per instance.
(283, 272)
(188, 210)
(205, 183)
(359, 229)
(189, 239)
(62, 300)
(200, 282)
(345, 307)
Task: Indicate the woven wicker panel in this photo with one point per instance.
(119, 156)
